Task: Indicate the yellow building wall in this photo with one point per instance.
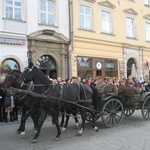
(96, 44)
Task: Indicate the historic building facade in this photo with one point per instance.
(38, 30)
(109, 36)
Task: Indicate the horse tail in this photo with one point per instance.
(95, 98)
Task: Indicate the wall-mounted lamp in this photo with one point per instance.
(75, 55)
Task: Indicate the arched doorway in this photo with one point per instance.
(8, 64)
(47, 64)
(129, 66)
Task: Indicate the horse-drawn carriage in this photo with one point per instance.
(73, 98)
(114, 108)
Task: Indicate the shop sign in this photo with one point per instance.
(109, 65)
(98, 65)
(83, 62)
(5, 40)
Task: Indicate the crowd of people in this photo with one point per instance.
(110, 86)
(8, 105)
(106, 87)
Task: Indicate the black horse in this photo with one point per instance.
(29, 104)
(58, 96)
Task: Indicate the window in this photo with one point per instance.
(106, 22)
(13, 9)
(8, 64)
(130, 23)
(46, 12)
(85, 17)
(147, 2)
(147, 28)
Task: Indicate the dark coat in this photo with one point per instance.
(130, 94)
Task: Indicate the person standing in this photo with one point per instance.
(1, 100)
(9, 105)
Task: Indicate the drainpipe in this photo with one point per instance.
(71, 38)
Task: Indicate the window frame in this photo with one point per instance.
(91, 17)
(13, 6)
(110, 21)
(147, 40)
(147, 2)
(134, 27)
(46, 12)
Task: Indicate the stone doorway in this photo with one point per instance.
(47, 65)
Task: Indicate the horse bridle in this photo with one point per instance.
(24, 78)
(13, 77)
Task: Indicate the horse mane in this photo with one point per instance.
(14, 71)
(41, 76)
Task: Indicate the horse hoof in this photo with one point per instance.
(76, 127)
(23, 134)
(18, 132)
(78, 134)
(96, 129)
(57, 138)
(35, 131)
(61, 125)
(34, 141)
(63, 129)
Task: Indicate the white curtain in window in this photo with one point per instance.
(147, 2)
(47, 12)
(106, 22)
(130, 27)
(85, 17)
(147, 26)
(13, 9)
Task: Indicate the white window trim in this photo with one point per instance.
(135, 33)
(112, 21)
(23, 3)
(54, 15)
(147, 22)
(86, 4)
(147, 2)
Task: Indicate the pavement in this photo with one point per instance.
(132, 134)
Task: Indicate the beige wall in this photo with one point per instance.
(94, 43)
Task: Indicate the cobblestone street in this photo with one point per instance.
(131, 134)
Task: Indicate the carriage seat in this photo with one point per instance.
(132, 99)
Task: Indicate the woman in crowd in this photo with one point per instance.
(9, 105)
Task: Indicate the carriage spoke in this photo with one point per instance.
(109, 106)
(127, 111)
(109, 120)
(107, 110)
(146, 113)
(118, 116)
(116, 119)
(115, 105)
(118, 107)
(112, 120)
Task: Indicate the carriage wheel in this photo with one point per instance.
(89, 116)
(113, 112)
(146, 108)
(129, 112)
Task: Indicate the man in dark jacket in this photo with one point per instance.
(1, 100)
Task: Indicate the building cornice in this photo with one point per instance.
(106, 4)
(147, 16)
(92, 1)
(131, 11)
